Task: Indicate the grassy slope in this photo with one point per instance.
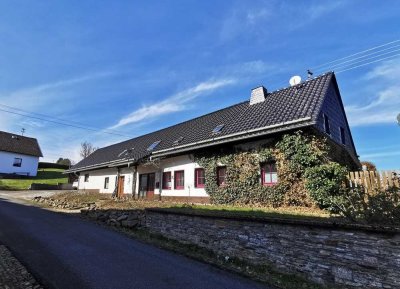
(44, 176)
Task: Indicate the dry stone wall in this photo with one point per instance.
(342, 258)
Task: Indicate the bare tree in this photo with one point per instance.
(86, 149)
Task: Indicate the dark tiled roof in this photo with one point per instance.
(281, 106)
(19, 144)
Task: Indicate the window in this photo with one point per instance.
(342, 136)
(178, 141)
(269, 174)
(327, 126)
(218, 128)
(106, 182)
(17, 162)
(221, 176)
(179, 180)
(86, 178)
(153, 145)
(199, 178)
(166, 181)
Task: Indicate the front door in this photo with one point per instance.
(121, 183)
(146, 186)
(150, 186)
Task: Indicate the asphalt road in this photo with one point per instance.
(64, 251)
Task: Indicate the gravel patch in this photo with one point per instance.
(13, 275)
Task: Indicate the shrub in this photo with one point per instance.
(377, 206)
(324, 183)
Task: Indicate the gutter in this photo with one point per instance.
(110, 164)
(231, 137)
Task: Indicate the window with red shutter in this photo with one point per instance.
(199, 178)
(179, 180)
(166, 185)
(221, 176)
(269, 174)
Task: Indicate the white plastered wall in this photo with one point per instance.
(97, 180)
(180, 163)
(29, 165)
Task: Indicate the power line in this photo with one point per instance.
(59, 119)
(340, 71)
(362, 61)
(353, 64)
(354, 54)
(61, 123)
(363, 57)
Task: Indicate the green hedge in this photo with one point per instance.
(44, 165)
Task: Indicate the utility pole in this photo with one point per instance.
(22, 131)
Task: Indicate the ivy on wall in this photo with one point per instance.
(293, 154)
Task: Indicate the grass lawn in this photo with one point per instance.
(254, 212)
(105, 202)
(44, 176)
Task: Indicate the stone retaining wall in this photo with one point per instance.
(117, 218)
(347, 258)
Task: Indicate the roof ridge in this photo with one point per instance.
(304, 81)
(19, 135)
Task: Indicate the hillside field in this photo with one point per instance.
(44, 176)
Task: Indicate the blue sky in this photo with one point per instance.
(138, 66)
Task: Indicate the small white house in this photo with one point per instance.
(19, 154)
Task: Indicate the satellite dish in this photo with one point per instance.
(294, 80)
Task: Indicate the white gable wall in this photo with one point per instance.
(29, 164)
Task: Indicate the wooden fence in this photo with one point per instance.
(374, 179)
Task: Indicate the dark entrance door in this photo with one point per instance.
(150, 186)
(146, 186)
(121, 183)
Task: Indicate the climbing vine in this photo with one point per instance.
(292, 153)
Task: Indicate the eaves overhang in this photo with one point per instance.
(284, 126)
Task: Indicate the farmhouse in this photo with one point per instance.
(163, 164)
(19, 154)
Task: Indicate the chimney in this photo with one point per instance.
(258, 95)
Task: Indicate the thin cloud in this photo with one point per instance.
(384, 108)
(173, 103)
(36, 96)
(260, 18)
(381, 155)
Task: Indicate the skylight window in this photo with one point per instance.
(218, 128)
(126, 152)
(178, 141)
(153, 145)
